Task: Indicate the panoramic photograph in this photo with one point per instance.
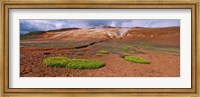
(99, 47)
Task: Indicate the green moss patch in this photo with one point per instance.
(126, 48)
(56, 61)
(73, 63)
(84, 64)
(102, 52)
(99, 54)
(136, 59)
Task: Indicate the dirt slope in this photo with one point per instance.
(168, 35)
(162, 64)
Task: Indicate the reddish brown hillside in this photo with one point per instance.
(168, 35)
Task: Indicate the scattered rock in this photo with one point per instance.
(46, 53)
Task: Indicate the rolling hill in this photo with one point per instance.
(167, 35)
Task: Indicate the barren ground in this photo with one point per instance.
(160, 46)
(163, 64)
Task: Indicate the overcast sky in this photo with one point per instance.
(44, 25)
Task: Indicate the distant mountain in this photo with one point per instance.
(31, 35)
(64, 29)
(106, 33)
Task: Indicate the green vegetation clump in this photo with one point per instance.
(56, 61)
(136, 59)
(84, 64)
(126, 48)
(103, 52)
(73, 63)
(98, 54)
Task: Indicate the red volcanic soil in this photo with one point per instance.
(169, 36)
(162, 64)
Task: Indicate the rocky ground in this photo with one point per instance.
(161, 46)
(163, 64)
